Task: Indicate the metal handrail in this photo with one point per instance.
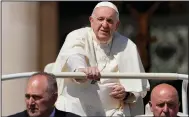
(113, 75)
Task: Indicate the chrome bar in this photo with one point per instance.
(154, 76)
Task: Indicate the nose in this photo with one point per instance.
(165, 108)
(105, 24)
(31, 101)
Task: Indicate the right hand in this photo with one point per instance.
(92, 73)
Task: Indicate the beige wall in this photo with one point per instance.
(0, 59)
(29, 42)
(20, 50)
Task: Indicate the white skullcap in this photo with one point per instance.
(107, 4)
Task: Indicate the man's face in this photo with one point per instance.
(165, 105)
(38, 100)
(104, 23)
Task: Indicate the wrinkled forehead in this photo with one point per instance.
(36, 86)
(166, 97)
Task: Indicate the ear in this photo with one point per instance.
(55, 97)
(117, 25)
(91, 19)
(150, 104)
(178, 104)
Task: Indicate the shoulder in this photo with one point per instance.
(60, 113)
(79, 32)
(68, 114)
(78, 35)
(123, 40)
(20, 114)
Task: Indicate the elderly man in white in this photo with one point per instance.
(97, 49)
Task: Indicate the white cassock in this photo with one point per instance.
(120, 55)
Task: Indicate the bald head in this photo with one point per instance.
(164, 101)
(164, 89)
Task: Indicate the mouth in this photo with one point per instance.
(32, 110)
(104, 31)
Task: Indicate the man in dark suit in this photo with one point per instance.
(41, 95)
(164, 101)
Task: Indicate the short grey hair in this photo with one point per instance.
(107, 4)
(51, 79)
(93, 15)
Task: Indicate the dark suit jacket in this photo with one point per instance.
(58, 113)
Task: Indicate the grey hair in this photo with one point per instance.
(93, 14)
(51, 79)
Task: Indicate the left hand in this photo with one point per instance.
(118, 92)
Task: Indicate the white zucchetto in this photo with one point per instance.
(107, 4)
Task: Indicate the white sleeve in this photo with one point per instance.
(76, 61)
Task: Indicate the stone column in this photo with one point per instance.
(20, 50)
(49, 33)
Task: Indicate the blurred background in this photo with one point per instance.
(33, 33)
